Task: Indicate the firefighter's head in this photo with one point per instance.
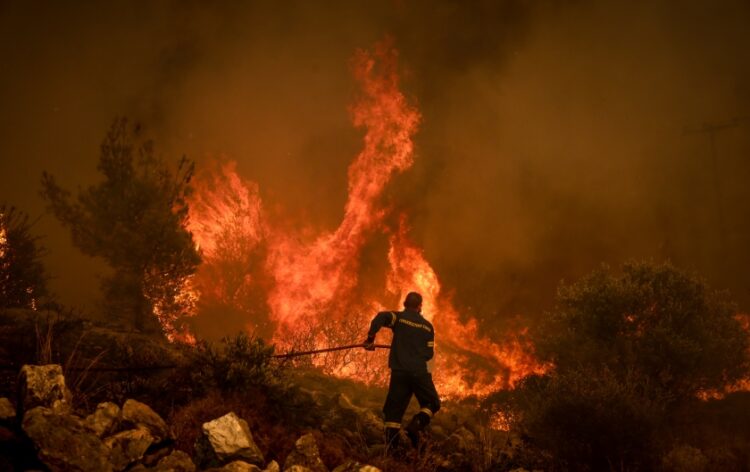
(413, 301)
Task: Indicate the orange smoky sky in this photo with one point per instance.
(553, 134)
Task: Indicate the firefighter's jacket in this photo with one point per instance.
(413, 339)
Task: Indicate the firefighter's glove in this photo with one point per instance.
(369, 343)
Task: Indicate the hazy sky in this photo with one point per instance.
(553, 135)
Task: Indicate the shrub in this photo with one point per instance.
(236, 364)
(653, 319)
(628, 350)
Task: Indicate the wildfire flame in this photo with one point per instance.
(3, 237)
(311, 290)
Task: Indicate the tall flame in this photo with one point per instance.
(310, 278)
(312, 289)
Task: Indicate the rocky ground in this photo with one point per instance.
(41, 430)
(74, 408)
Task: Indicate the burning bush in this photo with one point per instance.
(22, 278)
(628, 350)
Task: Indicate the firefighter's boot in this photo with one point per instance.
(417, 424)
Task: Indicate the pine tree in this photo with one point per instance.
(135, 220)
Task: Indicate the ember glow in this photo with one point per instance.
(311, 288)
(742, 385)
(3, 237)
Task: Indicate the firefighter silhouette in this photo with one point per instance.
(411, 349)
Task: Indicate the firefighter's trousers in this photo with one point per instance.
(403, 385)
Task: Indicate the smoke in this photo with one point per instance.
(552, 137)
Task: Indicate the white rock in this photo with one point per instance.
(228, 438)
(43, 385)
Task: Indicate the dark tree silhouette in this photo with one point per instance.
(135, 220)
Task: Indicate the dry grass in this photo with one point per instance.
(44, 340)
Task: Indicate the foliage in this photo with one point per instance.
(135, 220)
(23, 282)
(669, 327)
(591, 419)
(236, 364)
(628, 350)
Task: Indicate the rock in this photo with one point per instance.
(368, 424)
(305, 454)
(7, 412)
(225, 439)
(43, 385)
(297, 468)
(354, 466)
(241, 466)
(178, 461)
(104, 420)
(272, 466)
(461, 440)
(63, 443)
(135, 414)
(128, 446)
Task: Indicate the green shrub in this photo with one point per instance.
(668, 326)
(236, 364)
(628, 349)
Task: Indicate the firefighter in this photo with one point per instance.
(411, 349)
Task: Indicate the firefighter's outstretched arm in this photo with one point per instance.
(384, 318)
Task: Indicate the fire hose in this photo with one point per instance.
(328, 349)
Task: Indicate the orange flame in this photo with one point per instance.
(310, 278)
(469, 363)
(312, 289)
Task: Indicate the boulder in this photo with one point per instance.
(241, 466)
(43, 385)
(63, 443)
(104, 420)
(177, 461)
(225, 439)
(128, 446)
(272, 466)
(135, 414)
(354, 466)
(7, 411)
(305, 454)
(297, 468)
